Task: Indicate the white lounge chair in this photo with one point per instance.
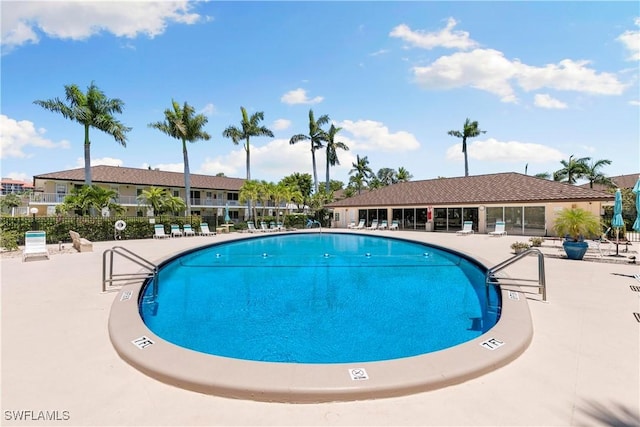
(204, 230)
(383, 225)
(251, 227)
(352, 224)
(499, 230)
(264, 227)
(158, 230)
(360, 225)
(394, 225)
(175, 230)
(467, 228)
(374, 225)
(187, 230)
(35, 244)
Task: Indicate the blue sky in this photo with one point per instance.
(546, 80)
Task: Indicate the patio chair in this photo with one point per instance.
(175, 231)
(251, 228)
(352, 224)
(158, 231)
(394, 225)
(499, 230)
(264, 227)
(187, 230)
(383, 225)
(35, 244)
(374, 225)
(204, 230)
(360, 225)
(467, 228)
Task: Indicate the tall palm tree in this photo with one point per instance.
(249, 126)
(362, 171)
(469, 130)
(403, 175)
(573, 170)
(332, 155)
(249, 191)
(316, 136)
(386, 176)
(92, 110)
(183, 124)
(594, 175)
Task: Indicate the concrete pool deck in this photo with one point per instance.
(580, 369)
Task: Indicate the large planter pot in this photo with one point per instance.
(575, 250)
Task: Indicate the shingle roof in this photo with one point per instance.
(621, 181)
(131, 176)
(495, 188)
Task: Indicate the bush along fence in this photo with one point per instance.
(97, 229)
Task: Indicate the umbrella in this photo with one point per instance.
(617, 221)
(226, 213)
(636, 190)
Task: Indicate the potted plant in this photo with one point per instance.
(536, 241)
(576, 224)
(519, 247)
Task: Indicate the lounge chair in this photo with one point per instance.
(374, 225)
(175, 230)
(204, 230)
(383, 225)
(280, 226)
(159, 232)
(360, 225)
(352, 224)
(499, 231)
(35, 244)
(467, 228)
(264, 227)
(251, 227)
(394, 225)
(187, 230)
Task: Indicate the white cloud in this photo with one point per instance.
(209, 110)
(489, 70)
(372, 135)
(16, 136)
(299, 96)
(79, 20)
(18, 176)
(281, 124)
(631, 41)
(108, 161)
(547, 101)
(429, 40)
(379, 52)
(484, 69)
(634, 102)
(493, 150)
(167, 167)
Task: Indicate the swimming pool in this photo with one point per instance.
(382, 348)
(320, 298)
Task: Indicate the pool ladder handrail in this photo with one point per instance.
(541, 281)
(107, 273)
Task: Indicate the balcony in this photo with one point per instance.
(54, 199)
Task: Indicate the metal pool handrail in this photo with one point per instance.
(107, 273)
(541, 282)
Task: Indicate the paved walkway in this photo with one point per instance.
(581, 368)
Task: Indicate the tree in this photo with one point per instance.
(403, 175)
(183, 124)
(302, 183)
(469, 130)
(249, 191)
(10, 202)
(386, 176)
(100, 198)
(362, 173)
(332, 155)
(316, 136)
(573, 170)
(153, 198)
(92, 110)
(594, 175)
(249, 126)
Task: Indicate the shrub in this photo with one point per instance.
(536, 241)
(9, 240)
(519, 246)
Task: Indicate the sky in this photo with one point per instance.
(545, 80)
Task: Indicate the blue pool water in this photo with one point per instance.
(320, 298)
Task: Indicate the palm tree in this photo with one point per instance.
(386, 176)
(92, 110)
(573, 170)
(153, 198)
(249, 191)
(332, 155)
(316, 137)
(594, 175)
(403, 175)
(100, 198)
(362, 172)
(11, 202)
(249, 126)
(183, 124)
(469, 130)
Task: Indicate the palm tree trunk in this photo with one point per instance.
(187, 177)
(315, 171)
(466, 162)
(327, 183)
(87, 156)
(246, 148)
